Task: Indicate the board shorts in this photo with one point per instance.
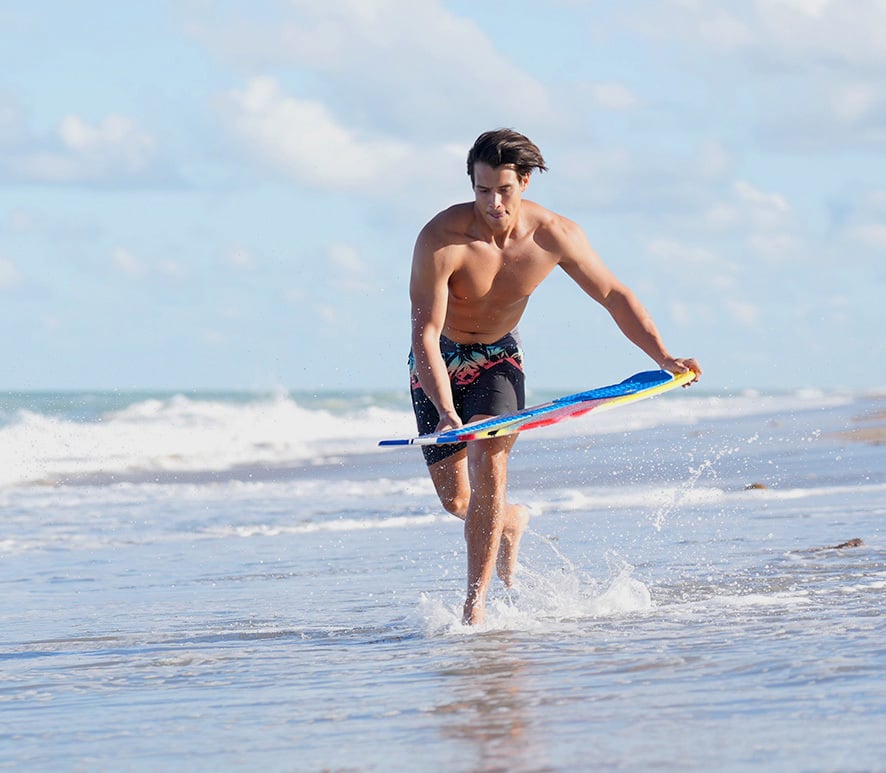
(486, 379)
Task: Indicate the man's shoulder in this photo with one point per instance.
(448, 227)
(455, 217)
(550, 225)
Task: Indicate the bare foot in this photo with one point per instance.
(474, 612)
(506, 564)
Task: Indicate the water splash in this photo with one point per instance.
(545, 600)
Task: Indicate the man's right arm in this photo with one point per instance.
(429, 294)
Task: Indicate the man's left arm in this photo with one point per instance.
(581, 262)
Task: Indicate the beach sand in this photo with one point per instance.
(872, 431)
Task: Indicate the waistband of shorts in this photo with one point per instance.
(511, 339)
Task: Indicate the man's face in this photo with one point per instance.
(497, 194)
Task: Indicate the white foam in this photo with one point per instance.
(181, 434)
(541, 601)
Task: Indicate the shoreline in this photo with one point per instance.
(873, 431)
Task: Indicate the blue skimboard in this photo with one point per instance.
(637, 387)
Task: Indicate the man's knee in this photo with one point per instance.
(450, 479)
(456, 504)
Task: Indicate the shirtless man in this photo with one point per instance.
(474, 267)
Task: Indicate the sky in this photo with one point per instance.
(225, 194)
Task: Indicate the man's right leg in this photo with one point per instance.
(452, 482)
(450, 477)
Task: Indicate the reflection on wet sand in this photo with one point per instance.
(492, 705)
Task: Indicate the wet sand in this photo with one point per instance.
(871, 430)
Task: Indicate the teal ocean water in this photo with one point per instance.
(245, 581)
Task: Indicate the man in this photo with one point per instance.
(474, 267)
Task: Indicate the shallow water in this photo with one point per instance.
(305, 615)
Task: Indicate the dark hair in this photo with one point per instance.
(505, 146)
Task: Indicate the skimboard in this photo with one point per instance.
(637, 387)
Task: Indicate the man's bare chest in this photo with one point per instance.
(497, 275)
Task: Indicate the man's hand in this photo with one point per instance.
(681, 365)
(448, 420)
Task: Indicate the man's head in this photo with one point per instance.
(505, 147)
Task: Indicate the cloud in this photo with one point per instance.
(612, 96)
(125, 261)
(12, 123)
(765, 210)
(352, 274)
(302, 138)
(644, 179)
(871, 234)
(818, 31)
(9, 273)
(764, 219)
(813, 68)
(114, 151)
(242, 258)
(829, 114)
(128, 263)
(813, 8)
(390, 67)
(803, 32)
(865, 219)
(694, 265)
(745, 313)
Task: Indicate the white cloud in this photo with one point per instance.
(242, 258)
(128, 263)
(865, 220)
(351, 272)
(692, 264)
(681, 313)
(720, 215)
(613, 96)
(804, 32)
(21, 221)
(326, 313)
(672, 250)
(843, 32)
(125, 261)
(304, 139)
(813, 8)
(346, 258)
(714, 159)
(723, 31)
(9, 273)
(871, 234)
(743, 312)
(855, 101)
(172, 269)
(765, 210)
(211, 337)
(765, 217)
(113, 151)
(774, 246)
(12, 124)
(812, 68)
(389, 66)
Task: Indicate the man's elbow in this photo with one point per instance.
(616, 300)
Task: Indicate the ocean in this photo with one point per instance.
(237, 581)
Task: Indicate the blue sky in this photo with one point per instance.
(225, 194)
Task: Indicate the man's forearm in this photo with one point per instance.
(432, 372)
(637, 325)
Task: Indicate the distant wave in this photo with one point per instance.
(179, 433)
(41, 442)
